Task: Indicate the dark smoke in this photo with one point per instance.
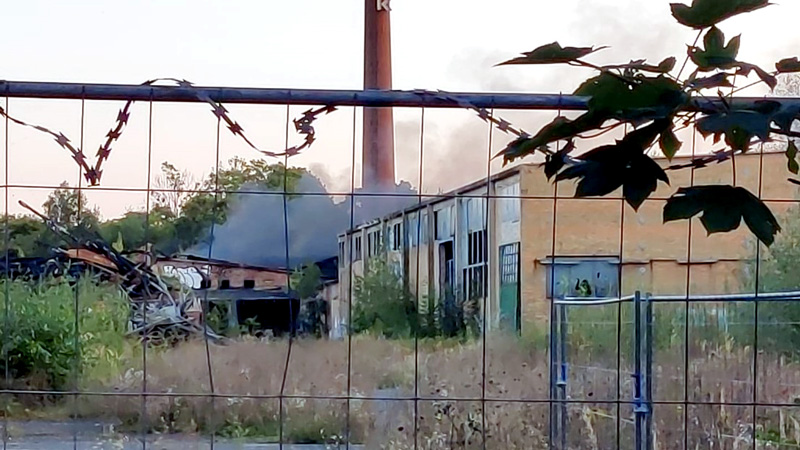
(256, 227)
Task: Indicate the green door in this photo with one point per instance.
(509, 288)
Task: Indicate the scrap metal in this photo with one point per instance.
(159, 312)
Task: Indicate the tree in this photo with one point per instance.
(179, 218)
(28, 236)
(655, 104)
(775, 271)
(137, 228)
(173, 188)
(307, 281)
(69, 208)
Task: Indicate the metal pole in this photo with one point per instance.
(648, 391)
(637, 374)
(553, 435)
(562, 379)
(417, 98)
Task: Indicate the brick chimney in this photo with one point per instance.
(378, 157)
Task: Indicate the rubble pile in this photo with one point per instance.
(160, 312)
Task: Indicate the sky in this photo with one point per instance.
(436, 44)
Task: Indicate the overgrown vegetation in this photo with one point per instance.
(776, 271)
(383, 305)
(447, 368)
(41, 347)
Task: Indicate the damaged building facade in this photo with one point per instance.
(243, 292)
(248, 292)
(506, 242)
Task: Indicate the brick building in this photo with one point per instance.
(496, 240)
(221, 274)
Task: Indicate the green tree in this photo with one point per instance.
(776, 270)
(69, 208)
(137, 228)
(307, 281)
(173, 188)
(28, 236)
(180, 217)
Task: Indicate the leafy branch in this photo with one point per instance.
(653, 104)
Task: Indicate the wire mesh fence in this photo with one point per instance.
(473, 306)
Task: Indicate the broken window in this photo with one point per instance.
(397, 236)
(509, 202)
(583, 277)
(423, 229)
(357, 248)
(413, 231)
(225, 284)
(249, 284)
(373, 243)
(475, 273)
(445, 223)
(476, 214)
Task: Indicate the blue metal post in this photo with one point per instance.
(648, 391)
(642, 343)
(562, 379)
(637, 371)
(558, 378)
(553, 435)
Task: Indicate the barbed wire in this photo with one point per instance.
(483, 114)
(303, 126)
(93, 173)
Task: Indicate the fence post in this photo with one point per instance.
(558, 377)
(648, 379)
(562, 379)
(643, 358)
(637, 372)
(553, 435)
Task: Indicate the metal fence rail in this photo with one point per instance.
(270, 96)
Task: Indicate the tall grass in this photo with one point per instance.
(450, 415)
(449, 376)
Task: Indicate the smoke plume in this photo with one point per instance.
(256, 229)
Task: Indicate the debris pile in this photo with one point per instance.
(160, 312)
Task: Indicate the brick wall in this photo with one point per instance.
(236, 276)
(654, 254)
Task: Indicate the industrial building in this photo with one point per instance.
(515, 238)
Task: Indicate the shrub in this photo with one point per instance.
(778, 322)
(39, 338)
(383, 305)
